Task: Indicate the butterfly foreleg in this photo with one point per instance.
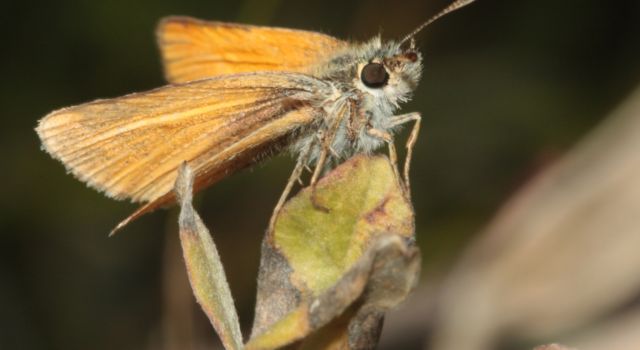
(411, 141)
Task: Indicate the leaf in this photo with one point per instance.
(561, 257)
(328, 276)
(204, 267)
(384, 276)
(364, 200)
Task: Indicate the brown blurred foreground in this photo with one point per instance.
(559, 263)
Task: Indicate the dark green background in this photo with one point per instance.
(509, 86)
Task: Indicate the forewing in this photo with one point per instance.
(131, 147)
(193, 49)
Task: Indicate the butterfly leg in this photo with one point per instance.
(293, 178)
(326, 142)
(322, 159)
(393, 154)
(413, 137)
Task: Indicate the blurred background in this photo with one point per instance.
(509, 91)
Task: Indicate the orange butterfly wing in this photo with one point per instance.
(193, 49)
(131, 147)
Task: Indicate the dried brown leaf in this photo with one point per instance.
(204, 267)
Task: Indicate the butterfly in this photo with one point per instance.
(237, 94)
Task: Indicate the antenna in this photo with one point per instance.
(454, 6)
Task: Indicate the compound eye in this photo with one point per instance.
(374, 75)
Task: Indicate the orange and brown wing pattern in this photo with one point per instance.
(131, 147)
(193, 49)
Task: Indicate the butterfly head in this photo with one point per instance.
(387, 71)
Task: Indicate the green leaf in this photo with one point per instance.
(364, 200)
